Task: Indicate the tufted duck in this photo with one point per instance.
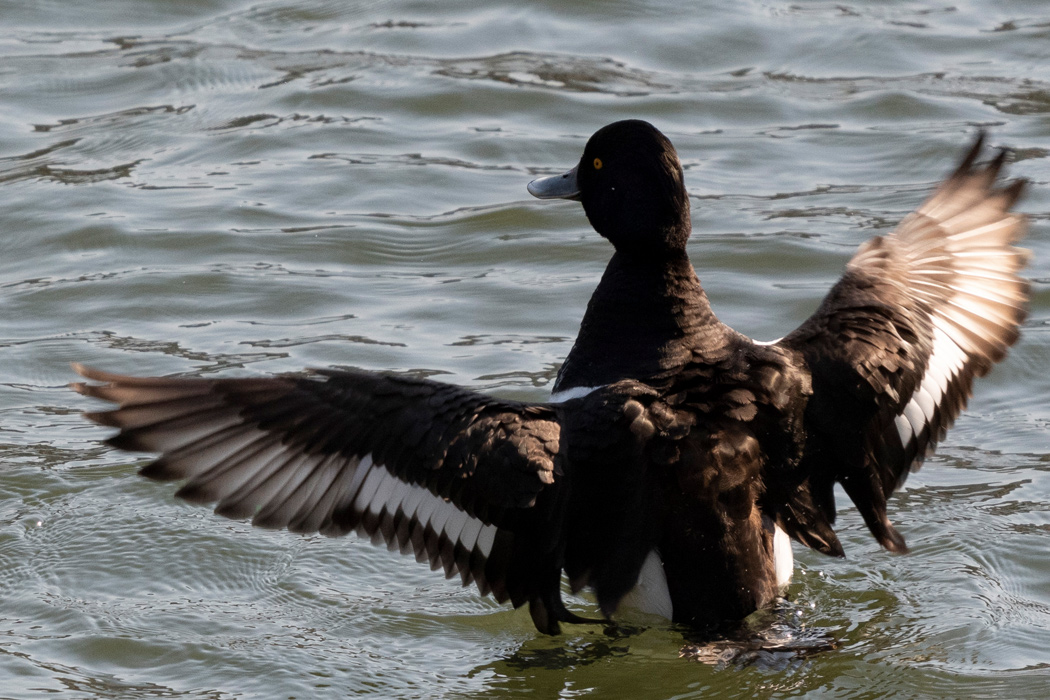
(676, 456)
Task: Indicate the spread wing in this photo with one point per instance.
(896, 344)
(466, 481)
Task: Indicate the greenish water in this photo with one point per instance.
(221, 188)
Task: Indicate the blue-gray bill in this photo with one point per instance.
(562, 186)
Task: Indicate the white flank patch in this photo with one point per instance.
(651, 595)
(783, 559)
(767, 342)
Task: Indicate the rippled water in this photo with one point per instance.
(220, 188)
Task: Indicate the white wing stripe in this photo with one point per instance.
(370, 484)
(454, 525)
(903, 429)
(361, 469)
(984, 297)
(412, 500)
(914, 415)
(440, 515)
(382, 491)
(421, 513)
(385, 491)
(486, 539)
(924, 401)
(400, 492)
(946, 359)
(468, 536)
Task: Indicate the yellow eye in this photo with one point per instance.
(597, 163)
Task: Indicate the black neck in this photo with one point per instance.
(646, 319)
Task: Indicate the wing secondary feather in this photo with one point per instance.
(896, 344)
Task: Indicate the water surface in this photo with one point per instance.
(219, 188)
